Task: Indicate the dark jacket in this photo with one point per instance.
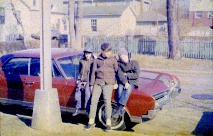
(85, 67)
(104, 70)
(128, 72)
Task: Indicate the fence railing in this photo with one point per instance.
(199, 49)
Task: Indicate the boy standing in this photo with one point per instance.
(85, 65)
(102, 81)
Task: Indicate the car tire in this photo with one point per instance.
(117, 123)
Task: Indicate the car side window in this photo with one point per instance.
(18, 66)
(35, 67)
(70, 65)
(56, 72)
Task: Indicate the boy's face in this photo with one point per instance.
(88, 55)
(106, 53)
(124, 58)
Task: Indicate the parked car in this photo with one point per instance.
(55, 34)
(19, 78)
(63, 39)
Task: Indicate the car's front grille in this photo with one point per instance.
(161, 94)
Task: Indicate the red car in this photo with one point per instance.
(19, 78)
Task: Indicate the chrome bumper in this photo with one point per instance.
(162, 101)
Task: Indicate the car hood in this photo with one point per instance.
(153, 83)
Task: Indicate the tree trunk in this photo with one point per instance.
(71, 24)
(19, 21)
(79, 16)
(173, 37)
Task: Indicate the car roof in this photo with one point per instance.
(56, 53)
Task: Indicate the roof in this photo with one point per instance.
(104, 10)
(108, 10)
(151, 16)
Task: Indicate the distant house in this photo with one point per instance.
(201, 17)
(28, 12)
(201, 12)
(151, 23)
(100, 17)
(10, 28)
(118, 20)
(112, 18)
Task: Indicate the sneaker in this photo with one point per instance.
(89, 126)
(108, 128)
(76, 112)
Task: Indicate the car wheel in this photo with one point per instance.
(117, 123)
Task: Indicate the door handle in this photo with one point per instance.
(29, 83)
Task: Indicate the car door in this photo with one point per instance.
(64, 86)
(32, 82)
(69, 66)
(15, 71)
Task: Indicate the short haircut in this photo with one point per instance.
(106, 47)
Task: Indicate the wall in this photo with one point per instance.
(105, 26)
(128, 22)
(204, 21)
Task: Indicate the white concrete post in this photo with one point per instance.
(46, 109)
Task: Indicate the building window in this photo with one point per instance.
(65, 25)
(210, 14)
(34, 3)
(18, 17)
(94, 25)
(198, 14)
(2, 15)
(58, 24)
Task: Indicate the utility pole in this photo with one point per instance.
(46, 109)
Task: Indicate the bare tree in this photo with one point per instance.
(15, 13)
(75, 24)
(173, 37)
(71, 23)
(78, 24)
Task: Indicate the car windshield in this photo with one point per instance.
(70, 65)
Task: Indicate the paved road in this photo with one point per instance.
(185, 115)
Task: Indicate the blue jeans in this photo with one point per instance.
(78, 95)
(123, 94)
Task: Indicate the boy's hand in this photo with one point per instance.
(78, 81)
(127, 85)
(115, 86)
(91, 88)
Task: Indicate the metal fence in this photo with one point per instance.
(199, 49)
